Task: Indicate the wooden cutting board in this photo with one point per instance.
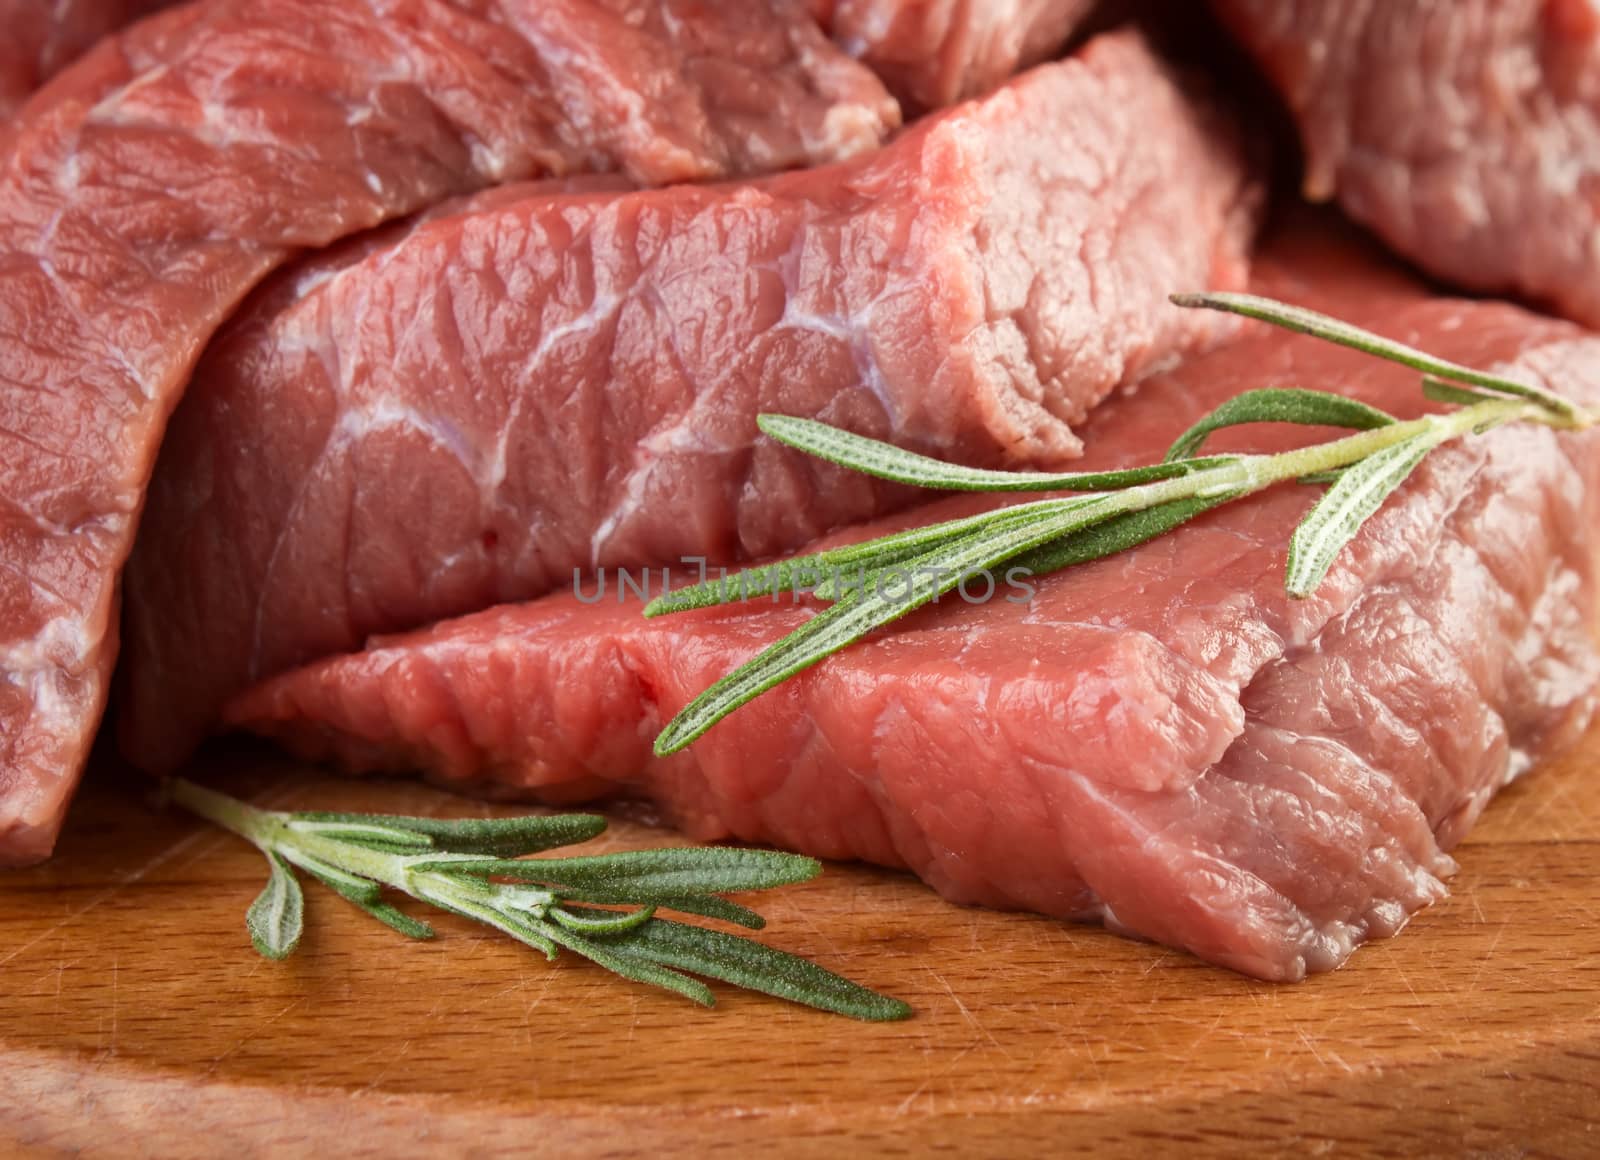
(136, 1020)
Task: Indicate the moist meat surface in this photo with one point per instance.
(516, 393)
(44, 36)
(1162, 740)
(932, 53)
(175, 166)
(1466, 134)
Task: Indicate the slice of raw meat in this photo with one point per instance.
(1162, 740)
(1466, 134)
(44, 36)
(517, 393)
(177, 164)
(932, 53)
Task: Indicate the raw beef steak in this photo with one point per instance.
(933, 53)
(43, 36)
(1466, 134)
(1161, 740)
(519, 392)
(180, 162)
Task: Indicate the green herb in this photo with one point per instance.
(874, 583)
(475, 868)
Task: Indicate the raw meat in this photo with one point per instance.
(932, 53)
(179, 163)
(1466, 134)
(43, 36)
(514, 394)
(1163, 740)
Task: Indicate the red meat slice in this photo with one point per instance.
(179, 163)
(1162, 740)
(521, 391)
(933, 53)
(1467, 134)
(44, 36)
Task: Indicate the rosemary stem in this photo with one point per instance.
(601, 907)
(1354, 448)
(269, 830)
(390, 869)
(274, 832)
(1567, 412)
(398, 870)
(261, 828)
(1253, 473)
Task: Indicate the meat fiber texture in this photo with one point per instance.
(933, 53)
(1162, 740)
(519, 393)
(1466, 134)
(44, 36)
(150, 186)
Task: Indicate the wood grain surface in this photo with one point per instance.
(136, 1020)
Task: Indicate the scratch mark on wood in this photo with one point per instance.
(254, 1033)
(116, 979)
(108, 893)
(1485, 958)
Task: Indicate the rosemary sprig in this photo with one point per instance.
(1303, 321)
(475, 868)
(874, 583)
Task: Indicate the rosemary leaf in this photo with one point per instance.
(357, 889)
(1280, 405)
(704, 905)
(1303, 321)
(825, 573)
(752, 966)
(636, 967)
(875, 574)
(886, 461)
(363, 892)
(816, 571)
(276, 917)
(397, 919)
(371, 834)
(652, 874)
(496, 837)
(1442, 392)
(447, 894)
(795, 575)
(1117, 534)
(863, 610)
(1349, 503)
(586, 920)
